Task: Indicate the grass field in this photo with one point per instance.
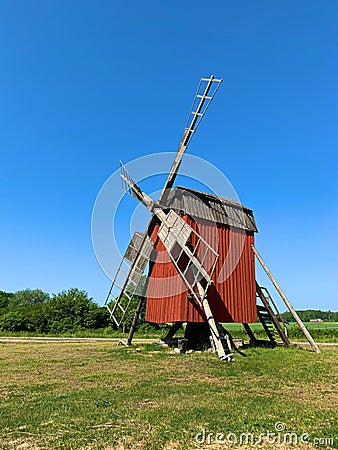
(96, 395)
(321, 332)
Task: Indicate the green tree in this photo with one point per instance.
(5, 298)
(36, 317)
(28, 297)
(23, 310)
(73, 309)
(13, 321)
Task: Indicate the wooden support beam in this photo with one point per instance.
(250, 333)
(137, 312)
(173, 330)
(287, 302)
(135, 319)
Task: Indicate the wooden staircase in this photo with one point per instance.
(271, 320)
(266, 321)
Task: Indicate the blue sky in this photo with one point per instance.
(84, 84)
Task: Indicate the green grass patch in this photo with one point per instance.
(95, 395)
(322, 332)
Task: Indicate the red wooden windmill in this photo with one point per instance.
(201, 254)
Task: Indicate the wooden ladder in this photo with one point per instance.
(270, 318)
(265, 319)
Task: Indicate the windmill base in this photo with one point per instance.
(196, 336)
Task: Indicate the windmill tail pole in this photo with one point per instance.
(287, 302)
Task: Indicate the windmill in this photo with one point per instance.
(194, 258)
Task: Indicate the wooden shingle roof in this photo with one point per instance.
(211, 207)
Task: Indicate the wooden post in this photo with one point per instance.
(137, 312)
(286, 301)
(173, 329)
(134, 322)
(250, 333)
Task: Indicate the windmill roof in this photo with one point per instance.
(211, 207)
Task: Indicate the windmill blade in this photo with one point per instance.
(193, 262)
(205, 93)
(138, 256)
(126, 283)
(128, 276)
(131, 187)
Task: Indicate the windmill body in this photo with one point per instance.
(230, 227)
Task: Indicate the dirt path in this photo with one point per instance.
(68, 339)
(135, 341)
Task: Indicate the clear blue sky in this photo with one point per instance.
(84, 83)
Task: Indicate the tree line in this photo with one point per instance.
(70, 311)
(312, 314)
(73, 310)
(37, 311)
